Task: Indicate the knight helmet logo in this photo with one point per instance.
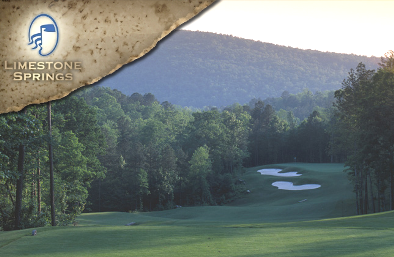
(43, 34)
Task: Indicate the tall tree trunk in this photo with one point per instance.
(384, 201)
(19, 186)
(380, 196)
(51, 177)
(360, 192)
(33, 192)
(371, 190)
(356, 190)
(38, 184)
(100, 195)
(38, 179)
(180, 191)
(391, 182)
(33, 187)
(256, 156)
(332, 140)
(381, 202)
(366, 204)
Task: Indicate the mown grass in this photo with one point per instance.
(266, 222)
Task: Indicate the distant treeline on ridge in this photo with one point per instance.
(198, 69)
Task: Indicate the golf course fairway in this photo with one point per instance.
(265, 222)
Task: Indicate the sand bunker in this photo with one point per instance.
(275, 172)
(285, 185)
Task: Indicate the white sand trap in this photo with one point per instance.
(275, 172)
(285, 185)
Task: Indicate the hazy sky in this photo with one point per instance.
(358, 27)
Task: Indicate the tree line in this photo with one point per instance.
(25, 146)
(113, 152)
(125, 153)
(364, 123)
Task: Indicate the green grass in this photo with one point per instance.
(266, 222)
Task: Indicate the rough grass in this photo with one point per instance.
(266, 222)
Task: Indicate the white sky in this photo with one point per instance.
(358, 27)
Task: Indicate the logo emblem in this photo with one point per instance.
(43, 34)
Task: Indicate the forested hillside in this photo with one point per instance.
(205, 69)
(117, 152)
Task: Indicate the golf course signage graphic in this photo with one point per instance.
(43, 34)
(43, 37)
(52, 48)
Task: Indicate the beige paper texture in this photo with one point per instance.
(95, 38)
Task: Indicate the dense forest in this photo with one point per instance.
(132, 153)
(301, 104)
(364, 130)
(126, 153)
(198, 69)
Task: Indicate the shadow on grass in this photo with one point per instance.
(334, 237)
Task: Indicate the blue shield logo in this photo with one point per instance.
(43, 34)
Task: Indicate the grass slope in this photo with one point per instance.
(266, 222)
(266, 203)
(333, 199)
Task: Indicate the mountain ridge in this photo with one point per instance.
(200, 69)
